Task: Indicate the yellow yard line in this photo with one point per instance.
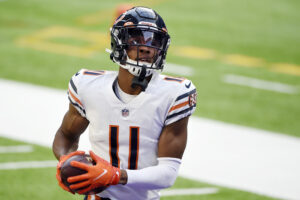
(242, 60)
(41, 40)
(98, 41)
(286, 68)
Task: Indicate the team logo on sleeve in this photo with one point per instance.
(193, 99)
(125, 112)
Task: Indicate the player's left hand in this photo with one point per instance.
(100, 175)
(63, 159)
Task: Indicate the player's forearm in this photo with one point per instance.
(63, 145)
(160, 176)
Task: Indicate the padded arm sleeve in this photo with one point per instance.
(156, 177)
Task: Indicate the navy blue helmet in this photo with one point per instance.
(143, 30)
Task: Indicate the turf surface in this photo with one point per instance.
(35, 184)
(266, 30)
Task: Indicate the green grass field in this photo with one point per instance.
(46, 42)
(28, 184)
(265, 30)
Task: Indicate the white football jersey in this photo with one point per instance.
(127, 134)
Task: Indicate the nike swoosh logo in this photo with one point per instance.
(188, 85)
(103, 173)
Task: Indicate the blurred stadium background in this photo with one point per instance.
(243, 56)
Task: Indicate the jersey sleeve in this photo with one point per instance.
(74, 94)
(184, 103)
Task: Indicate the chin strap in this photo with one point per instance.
(140, 80)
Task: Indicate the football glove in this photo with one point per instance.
(62, 159)
(102, 174)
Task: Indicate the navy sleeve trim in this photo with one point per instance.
(73, 86)
(185, 95)
(76, 105)
(181, 112)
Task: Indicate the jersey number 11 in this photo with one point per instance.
(133, 146)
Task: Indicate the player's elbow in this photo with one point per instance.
(167, 176)
(163, 181)
(168, 180)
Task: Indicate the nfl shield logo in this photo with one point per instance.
(125, 112)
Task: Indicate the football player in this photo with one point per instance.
(137, 117)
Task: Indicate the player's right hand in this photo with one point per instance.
(103, 174)
(63, 159)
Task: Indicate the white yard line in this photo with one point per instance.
(16, 149)
(53, 163)
(244, 158)
(189, 191)
(260, 84)
(28, 165)
(178, 69)
(219, 153)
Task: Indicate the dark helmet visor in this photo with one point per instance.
(149, 37)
